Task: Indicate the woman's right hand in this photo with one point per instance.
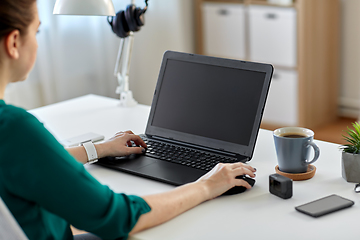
(167, 205)
(223, 177)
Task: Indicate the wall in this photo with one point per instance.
(77, 54)
(349, 93)
(168, 26)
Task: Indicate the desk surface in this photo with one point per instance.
(255, 214)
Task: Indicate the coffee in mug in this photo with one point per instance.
(293, 135)
(293, 145)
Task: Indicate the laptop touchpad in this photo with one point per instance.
(171, 172)
(129, 162)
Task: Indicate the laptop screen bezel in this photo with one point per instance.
(244, 150)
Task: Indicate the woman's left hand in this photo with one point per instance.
(121, 144)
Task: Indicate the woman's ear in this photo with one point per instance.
(12, 44)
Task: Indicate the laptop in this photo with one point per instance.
(205, 110)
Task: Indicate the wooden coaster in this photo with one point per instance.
(298, 176)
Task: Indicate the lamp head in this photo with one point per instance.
(84, 7)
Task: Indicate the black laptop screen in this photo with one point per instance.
(209, 101)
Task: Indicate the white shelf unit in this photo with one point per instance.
(288, 37)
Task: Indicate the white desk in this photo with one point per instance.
(255, 214)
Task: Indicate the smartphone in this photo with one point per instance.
(325, 205)
(76, 141)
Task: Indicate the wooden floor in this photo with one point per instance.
(332, 132)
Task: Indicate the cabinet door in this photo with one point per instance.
(224, 30)
(273, 35)
(281, 107)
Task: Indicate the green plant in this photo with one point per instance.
(353, 139)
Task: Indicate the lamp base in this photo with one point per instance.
(127, 99)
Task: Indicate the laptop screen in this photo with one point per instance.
(210, 102)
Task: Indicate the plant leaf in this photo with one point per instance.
(353, 139)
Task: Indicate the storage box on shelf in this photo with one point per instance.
(216, 30)
(301, 40)
(272, 35)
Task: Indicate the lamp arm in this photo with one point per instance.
(117, 71)
(122, 67)
(129, 54)
(122, 71)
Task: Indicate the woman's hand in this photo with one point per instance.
(167, 205)
(223, 177)
(117, 146)
(121, 145)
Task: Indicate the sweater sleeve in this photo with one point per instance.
(43, 172)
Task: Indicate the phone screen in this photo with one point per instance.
(325, 205)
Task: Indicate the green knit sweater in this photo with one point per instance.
(46, 189)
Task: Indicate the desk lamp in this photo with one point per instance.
(123, 24)
(84, 7)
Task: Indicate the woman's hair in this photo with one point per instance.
(15, 14)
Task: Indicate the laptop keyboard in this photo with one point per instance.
(185, 156)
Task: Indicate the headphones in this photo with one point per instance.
(128, 21)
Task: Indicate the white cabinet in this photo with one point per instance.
(300, 39)
(272, 35)
(220, 22)
(282, 103)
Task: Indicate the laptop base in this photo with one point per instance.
(155, 169)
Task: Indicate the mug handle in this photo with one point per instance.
(316, 150)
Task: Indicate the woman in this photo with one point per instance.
(43, 185)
